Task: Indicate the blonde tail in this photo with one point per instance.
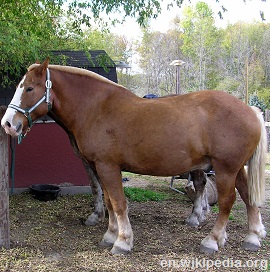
(256, 167)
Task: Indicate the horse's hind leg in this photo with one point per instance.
(200, 204)
(256, 229)
(226, 198)
(99, 214)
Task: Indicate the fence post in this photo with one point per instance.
(4, 187)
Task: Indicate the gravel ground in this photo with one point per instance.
(49, 236)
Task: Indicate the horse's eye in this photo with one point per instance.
(29, 89)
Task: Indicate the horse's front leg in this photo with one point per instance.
(119, 232)
(111, 234)
(99, 214)
(200, 203)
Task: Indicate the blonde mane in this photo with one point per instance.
(74, 70)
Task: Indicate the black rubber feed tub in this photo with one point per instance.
(44, 192)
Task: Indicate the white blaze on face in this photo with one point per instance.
(16, 100)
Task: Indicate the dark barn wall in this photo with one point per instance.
(46, 156)
(6, 95)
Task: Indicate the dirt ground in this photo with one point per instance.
(49, 236)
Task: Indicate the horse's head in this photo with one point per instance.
(28, 102)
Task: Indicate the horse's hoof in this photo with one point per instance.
(92, 220)
(192, 223)
(119, 251)
(207, 250)
(105, 243)
(90, 223)
(249, 246)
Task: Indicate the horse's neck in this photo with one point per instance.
(77, 98)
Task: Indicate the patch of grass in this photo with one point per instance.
(128, 174)
(143, 195)
(215, 209)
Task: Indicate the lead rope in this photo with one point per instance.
(22, 136)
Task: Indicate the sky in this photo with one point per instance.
(238, 10)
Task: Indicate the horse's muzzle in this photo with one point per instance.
(14, 131)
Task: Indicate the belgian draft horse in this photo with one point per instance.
(112, 130)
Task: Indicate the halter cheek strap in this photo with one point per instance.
(27, 111)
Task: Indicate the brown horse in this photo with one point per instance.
(114, 130)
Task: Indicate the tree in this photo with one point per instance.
(157, 50)
(200, 46)
(215, 58)
(255, 101)
(118, 47)
(28, 29)
(243, 58)
(222, 7)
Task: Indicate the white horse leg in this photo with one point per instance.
(256, 230)
(116, 203)
(111, 234)
(200, 201)
(99, 214)
(124, 242)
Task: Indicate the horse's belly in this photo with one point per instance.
(164, 164)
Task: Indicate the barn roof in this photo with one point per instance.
(82, 59)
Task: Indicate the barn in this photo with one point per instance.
(45, 155)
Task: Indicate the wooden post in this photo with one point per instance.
(4, 187)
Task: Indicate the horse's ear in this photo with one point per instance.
(42, 67)
(37, 61)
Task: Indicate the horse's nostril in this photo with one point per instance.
(8, 124)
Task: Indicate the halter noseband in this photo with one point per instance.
(27, 112)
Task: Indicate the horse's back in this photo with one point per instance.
(188, 129)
